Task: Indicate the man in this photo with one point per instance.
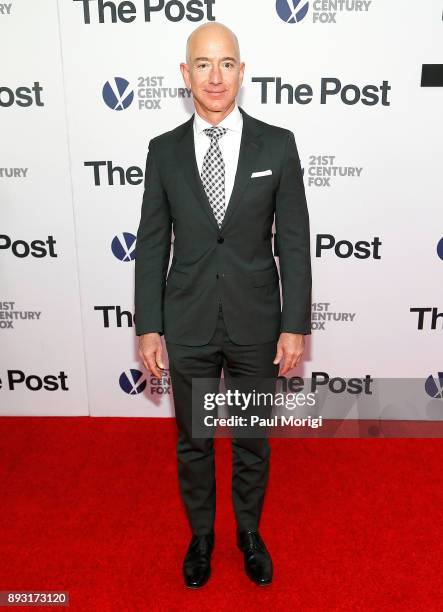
(218, 179)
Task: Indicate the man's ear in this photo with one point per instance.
(185, 74)
(241, 73)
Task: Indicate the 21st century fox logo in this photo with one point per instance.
(112, 11)
(118, 93)
(318, 11)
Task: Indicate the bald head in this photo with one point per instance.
(212, 32)
(213, 70)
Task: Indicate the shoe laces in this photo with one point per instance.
(252, 541)
(201, 544)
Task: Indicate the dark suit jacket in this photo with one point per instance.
(235, 262)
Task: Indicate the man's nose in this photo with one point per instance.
(215, 75)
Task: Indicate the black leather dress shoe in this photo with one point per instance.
(197, 563)
(258, 562)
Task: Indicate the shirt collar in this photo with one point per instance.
(233, 121)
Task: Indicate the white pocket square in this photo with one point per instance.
(262, 173)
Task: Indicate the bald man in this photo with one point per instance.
(219, 180)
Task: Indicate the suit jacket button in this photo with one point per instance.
(220, 239)
(216, 276)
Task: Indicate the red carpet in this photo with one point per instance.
(91, 506)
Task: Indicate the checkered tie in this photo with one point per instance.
(213, 173)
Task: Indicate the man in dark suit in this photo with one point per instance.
(218, 180)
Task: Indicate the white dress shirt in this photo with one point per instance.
(229, 145)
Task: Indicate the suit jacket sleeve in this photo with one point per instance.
(293, 244)
(152, 250)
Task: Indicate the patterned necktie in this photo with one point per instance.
(213, 173)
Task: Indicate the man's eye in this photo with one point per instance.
(229, 64)
(201, 65)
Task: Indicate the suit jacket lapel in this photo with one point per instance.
(187, 163)
(250, 146)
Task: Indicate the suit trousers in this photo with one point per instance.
(196, 460)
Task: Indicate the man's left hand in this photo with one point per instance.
(290, 347)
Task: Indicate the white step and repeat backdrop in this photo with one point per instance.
(84, 85)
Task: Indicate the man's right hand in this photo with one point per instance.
(150, 351)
